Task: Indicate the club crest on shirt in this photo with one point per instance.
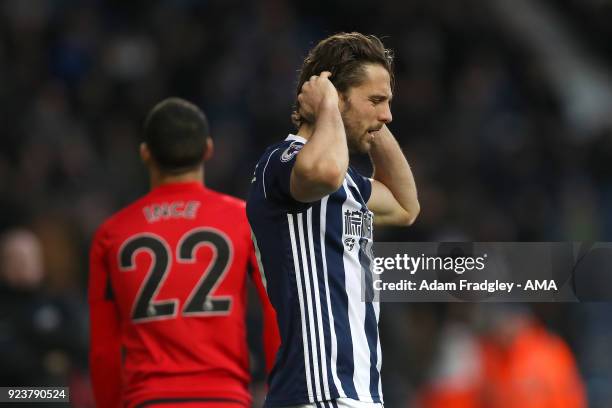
(291, 151)
(349, 243)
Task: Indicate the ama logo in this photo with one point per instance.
(291, 151)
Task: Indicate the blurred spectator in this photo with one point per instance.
(525, 365)
(515, 362)
(42, 336)
(457, 374)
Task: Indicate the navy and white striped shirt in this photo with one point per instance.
(313, 257)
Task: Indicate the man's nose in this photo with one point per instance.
(385, 115)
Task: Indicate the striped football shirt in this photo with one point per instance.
(313, 257)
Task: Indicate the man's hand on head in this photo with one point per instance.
(316, 94)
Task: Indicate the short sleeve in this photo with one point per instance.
(364, 184)
(276, 173)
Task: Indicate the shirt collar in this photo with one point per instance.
(179, 186)
(296, 138)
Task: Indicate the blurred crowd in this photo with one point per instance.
(494, 154)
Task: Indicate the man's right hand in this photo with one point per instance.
(316, 93)
(321, 165)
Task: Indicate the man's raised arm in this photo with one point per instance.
(322, 163)
(394, 195)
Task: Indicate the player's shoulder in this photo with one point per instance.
(226, 200)
(119, 217)
(285, 149)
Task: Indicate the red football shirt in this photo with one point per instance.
(167, 295)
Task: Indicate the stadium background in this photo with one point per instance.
(503, 107)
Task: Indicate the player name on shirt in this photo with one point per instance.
(175, 209)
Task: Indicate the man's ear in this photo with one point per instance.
(210, 149)
(145, 153)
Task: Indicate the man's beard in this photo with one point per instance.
(353, 137)
(355, 147)
(355, 141)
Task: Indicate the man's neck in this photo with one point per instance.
(159, 178)
(305, 130)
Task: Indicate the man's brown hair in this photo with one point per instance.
(344, 55)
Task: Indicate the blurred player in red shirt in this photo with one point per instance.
(167, 287)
